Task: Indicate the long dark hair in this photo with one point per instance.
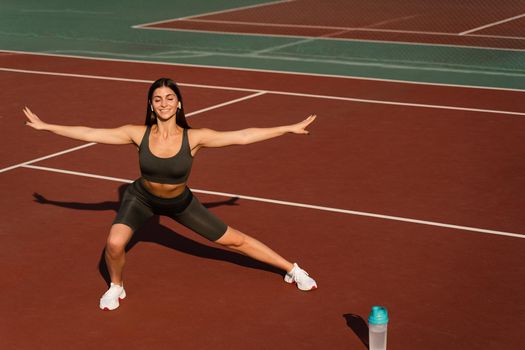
(151, 117)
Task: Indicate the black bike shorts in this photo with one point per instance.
(138, 205)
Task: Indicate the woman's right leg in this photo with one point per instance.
(133, 213)
(115, 253)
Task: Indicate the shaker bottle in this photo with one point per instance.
(377, 327)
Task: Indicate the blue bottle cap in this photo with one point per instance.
(378, 315)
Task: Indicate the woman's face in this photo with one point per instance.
(164, 102)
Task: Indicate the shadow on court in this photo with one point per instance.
(154, 232)
(359, 326)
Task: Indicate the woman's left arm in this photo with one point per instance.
(212, 138)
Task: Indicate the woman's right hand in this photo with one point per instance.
(33, 121)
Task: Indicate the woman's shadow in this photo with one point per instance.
(154, 232)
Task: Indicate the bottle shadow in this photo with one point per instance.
(154, 232)
(359, 326)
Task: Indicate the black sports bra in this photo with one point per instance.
(172, 170)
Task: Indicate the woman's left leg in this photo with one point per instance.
(238, 241)
(196, 217)
(251, 247)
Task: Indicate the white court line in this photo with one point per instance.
(69, 172)
(129, 80)
(230, 102)
(263, 24)
(48, 156)
(276, 92)
(400, 31)
(273, 48)
(303, 41)
(300, 205)
(404, 104)
(491, 24)
(93, 143)
(498, 37)
(349, 77)
(212, 13)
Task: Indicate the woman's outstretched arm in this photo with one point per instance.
(117, 136)
(212, 138)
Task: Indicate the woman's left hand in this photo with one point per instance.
(300, 128)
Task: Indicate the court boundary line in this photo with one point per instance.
(56, 154)
(221, 11)
(117, 60)
(492, 24)
(296, 204)
(275, 92)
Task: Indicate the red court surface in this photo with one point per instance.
(443, 22)
(379, 155)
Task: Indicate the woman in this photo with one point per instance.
(167, 146)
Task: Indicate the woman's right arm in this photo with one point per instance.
(117, 136)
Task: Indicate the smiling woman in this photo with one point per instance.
(167, 146)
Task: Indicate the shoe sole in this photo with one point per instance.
(308, 290)
(304, 290)
(116, 307)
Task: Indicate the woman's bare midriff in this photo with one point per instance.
(163, 190)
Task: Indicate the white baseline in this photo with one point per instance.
(300, 205)
(276, 92)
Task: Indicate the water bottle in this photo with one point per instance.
(377, 327)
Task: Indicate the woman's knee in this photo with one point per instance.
(232, 238)
(119, 236)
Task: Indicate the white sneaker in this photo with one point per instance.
(111, 299)
(301, 278)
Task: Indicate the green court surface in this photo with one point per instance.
(104, 29)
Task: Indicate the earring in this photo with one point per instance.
(151, 106)
(179, 106)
